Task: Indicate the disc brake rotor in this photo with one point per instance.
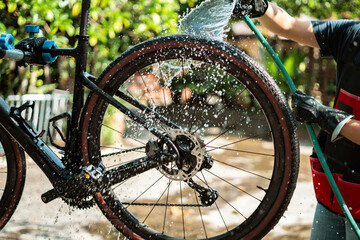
(192, 154)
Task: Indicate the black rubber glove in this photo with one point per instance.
(308, 110)
(252, 8)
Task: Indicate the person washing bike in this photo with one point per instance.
(340, 134)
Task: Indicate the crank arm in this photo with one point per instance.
(83, 185)
(93, 180)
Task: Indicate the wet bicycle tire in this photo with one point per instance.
(12, 176)
(241, 119)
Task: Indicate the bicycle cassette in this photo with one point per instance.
(192, 155)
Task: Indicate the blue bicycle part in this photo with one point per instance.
(32, 29)
(6, 41)
(47, 57)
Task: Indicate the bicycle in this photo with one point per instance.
(181, 165)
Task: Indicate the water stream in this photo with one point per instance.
(209, 19)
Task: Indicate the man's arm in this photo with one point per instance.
(334, 122)
(281, 23)
(301, 30)
(351, 131)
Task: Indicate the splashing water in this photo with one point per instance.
(209, 19)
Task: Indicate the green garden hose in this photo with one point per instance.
(308, 126)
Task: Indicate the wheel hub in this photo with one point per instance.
(192, 155)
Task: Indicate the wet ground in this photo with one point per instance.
(35, 220)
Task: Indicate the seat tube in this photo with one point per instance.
(78, 99)
(85, 13)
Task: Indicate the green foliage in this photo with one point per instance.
(115, 25)
(294, 63)
(321, 9)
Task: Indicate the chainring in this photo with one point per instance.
(80, 203)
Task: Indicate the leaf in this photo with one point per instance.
(54, 31)
(12, 7)
(2, 5)
(21, 21)
(76, 10)
(70, 29)
(118, 25)
(93, 41)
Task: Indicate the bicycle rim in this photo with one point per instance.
(12, 176)
(237, 116)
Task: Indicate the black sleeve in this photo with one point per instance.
(334, 36)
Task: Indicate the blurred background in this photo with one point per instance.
(117, 25)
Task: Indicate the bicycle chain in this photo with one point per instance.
(79, 203)
(164, 204)
(150, 204)
(121, 152)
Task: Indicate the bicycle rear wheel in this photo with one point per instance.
(230, 116)
(12, 176)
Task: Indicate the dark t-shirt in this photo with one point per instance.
(336, 40)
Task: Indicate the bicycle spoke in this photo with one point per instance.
(241, 140)
(217, 207)
(227, 202)
(122, 134)
(144, 191)
(241, 151)
(153, 207)
(182, 209)
(221, 134)
(166, 206)
(244, 170)
(147, 89)
(201, 216)
(234, 186)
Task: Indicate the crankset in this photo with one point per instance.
(80, 203)
(78, 191)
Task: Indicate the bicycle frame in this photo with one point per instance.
(54, 167)
(45, 158)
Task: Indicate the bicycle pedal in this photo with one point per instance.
(49, 196)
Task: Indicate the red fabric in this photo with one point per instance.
(350, 100)
(324, 194)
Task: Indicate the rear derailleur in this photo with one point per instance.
(192, 159)
(207, 196)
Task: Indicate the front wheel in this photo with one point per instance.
(12, 176)
(234, 128)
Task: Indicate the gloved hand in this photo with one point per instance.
(308, 110)
(252, 8)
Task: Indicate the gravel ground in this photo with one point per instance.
(36, 220)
